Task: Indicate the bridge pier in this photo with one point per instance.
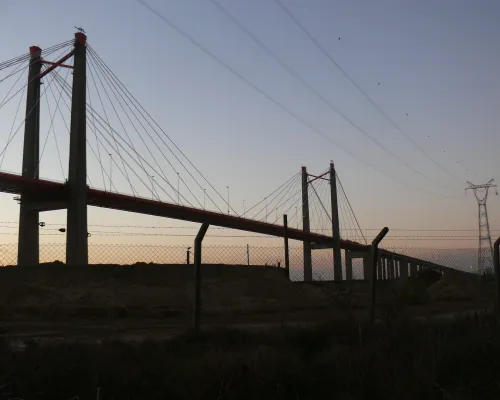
(413, 269)
(380, 267)
(348, 265)
(403, 268)
(28, 251)
(390, 275)
(77, 233)
(367, 265)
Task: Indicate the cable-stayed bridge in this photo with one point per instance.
(120, 158)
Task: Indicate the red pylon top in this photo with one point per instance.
(35, 49)
(81, 38)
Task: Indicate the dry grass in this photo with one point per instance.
(159, 291)
(398, 358)
(224, 289)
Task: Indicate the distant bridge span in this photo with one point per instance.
(50, 195)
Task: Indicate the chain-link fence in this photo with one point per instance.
(239, 285)
(249, 255)
(128, 254)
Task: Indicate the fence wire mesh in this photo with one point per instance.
(239, 284)
(249, 255)
(129, 254)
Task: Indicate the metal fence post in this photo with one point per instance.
(496, 266)
(374, 259)
(287, 254)
(188, 253)
(248, 254)
(197, 277)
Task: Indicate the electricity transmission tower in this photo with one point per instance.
(485, 249)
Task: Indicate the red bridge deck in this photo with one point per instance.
(55, 194)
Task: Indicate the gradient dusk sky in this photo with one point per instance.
(431, 65)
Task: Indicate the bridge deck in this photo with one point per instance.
(55, 193)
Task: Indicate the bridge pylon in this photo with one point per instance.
(334, 243)
(73, 195)
(28, 243)
(77, 232)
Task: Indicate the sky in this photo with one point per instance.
(432, 66)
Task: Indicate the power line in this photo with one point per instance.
(222, 228)
(140, 234)
(276, 102)
(295, 75)
(362, 91)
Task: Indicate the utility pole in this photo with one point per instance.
(28, 243)
(337, 255)
(306, 227)
(287, 254)
(485, 248)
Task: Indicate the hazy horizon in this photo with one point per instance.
(431, 66)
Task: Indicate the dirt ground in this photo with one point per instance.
(147, 299)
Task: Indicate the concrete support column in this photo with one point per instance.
(367, 266)
(76, 239)
(413, 269)
(380, 267)
(392, 267)
(348, 265)
(403, 269)
(28, 242)
(337, 254)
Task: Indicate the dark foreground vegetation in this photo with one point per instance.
(439, 359)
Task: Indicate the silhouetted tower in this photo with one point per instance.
(74, 197)
(485, 249)
(28, 244)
